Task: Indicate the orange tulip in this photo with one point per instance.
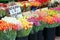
(48, 19)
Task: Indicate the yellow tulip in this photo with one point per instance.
(25, 24)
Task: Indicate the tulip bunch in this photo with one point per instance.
(34, 20)
(13, 21)
(7, 26)
(49, 17)
(7, 29)
(25, 23)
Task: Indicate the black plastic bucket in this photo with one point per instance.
(36, 36)
(22, 38)
(49, 34)
(58, 31)
(32, 36)
(40, 35)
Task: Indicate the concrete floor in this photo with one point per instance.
(57, 38)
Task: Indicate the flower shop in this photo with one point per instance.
(29, 19)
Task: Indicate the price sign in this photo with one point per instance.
(19, 16)
(14, 9)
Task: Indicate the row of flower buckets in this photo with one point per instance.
(46, 34)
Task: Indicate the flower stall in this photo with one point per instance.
(28, 20)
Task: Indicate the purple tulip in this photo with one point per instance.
(36, 22)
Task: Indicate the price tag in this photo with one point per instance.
(14, 9)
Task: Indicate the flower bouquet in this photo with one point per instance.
(26, 28)
(52, 19)
(7, 30)
(36, 24)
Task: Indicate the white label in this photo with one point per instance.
(14, 9)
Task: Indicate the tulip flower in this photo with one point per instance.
(35, 21)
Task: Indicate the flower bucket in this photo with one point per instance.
(36, 36)
(7, 35)
(49, 31)
(37, 32)
(22, 38)
(58, 31)
(32, 36)
(49, 34)
(23, 34)
(40, 35)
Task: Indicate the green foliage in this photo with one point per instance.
(8, 35)
(52, 25)
(2, 13)
(23, 33)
